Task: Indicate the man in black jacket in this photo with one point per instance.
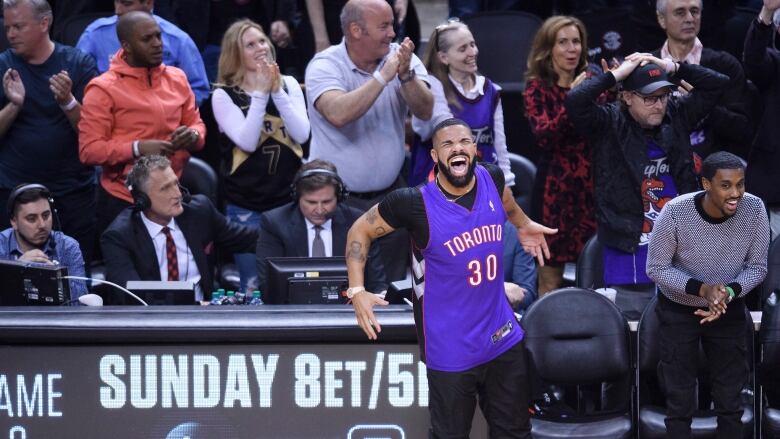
(315, 224)
(641, 151)
(762, 66)
(727, 127)
(166, 235)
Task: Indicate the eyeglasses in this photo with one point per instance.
(450, 21)
(652, 99)
(448, 25)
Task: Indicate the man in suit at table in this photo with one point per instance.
(168, 234)
(314, 224)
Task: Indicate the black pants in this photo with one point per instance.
(502, 388)
(75, 217)
(724, 344)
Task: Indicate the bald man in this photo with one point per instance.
(100, 40)
(138, 107)
(359, 92)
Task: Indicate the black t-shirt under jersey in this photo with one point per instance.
(404, 208)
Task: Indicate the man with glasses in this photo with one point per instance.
(641, 152)
(728, 126)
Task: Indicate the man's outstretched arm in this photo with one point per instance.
(365, 230)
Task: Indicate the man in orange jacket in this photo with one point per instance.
(138, 107)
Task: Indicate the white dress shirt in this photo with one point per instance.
(188, 269)
(326, 234)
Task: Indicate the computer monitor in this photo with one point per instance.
(155, 292)
(26, 283)
(305, 280)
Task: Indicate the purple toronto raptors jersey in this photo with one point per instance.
(467, 320)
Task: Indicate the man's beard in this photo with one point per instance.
(458, 181)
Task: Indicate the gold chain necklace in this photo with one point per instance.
(452, 200)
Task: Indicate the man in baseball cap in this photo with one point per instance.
(641, 158)
(646, 91)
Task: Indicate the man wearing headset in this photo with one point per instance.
(314, 224)
(167, 234)
(30, 237)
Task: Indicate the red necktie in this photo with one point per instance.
(170, 252)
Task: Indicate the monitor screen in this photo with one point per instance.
(305, 280)
(26, 283)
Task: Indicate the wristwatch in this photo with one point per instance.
(410, 77)
(354, 290)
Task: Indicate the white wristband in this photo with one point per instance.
(136, 150)
(70, 105)
(379, 78)
(355, 290)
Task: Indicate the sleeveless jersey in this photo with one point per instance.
(466, 317)
(261, 180)
(479, 114)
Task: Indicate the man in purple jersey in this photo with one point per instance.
(469, 337)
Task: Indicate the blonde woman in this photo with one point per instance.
(262, 122)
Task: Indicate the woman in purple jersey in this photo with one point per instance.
(459, 91)
(563, 194)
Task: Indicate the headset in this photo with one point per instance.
(142, 202)
(341, 190)
(16, 193)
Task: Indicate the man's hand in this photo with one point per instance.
(400, 7)
(531, 237)
(280, 34)
(622, 71)
(35, 255)
(716, 297)
(405, 52)
(514, 293)
(161, 147)
(13, 87)
(60, 86)
(648, 58)
(772, 5)
(709, 316)
(579, 79)
(390, 67)
(363, 303)
(184, 137)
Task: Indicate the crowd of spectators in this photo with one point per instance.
(77, 119)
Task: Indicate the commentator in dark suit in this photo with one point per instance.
(166, 235)
(315, 224)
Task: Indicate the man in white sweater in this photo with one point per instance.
(707, 251)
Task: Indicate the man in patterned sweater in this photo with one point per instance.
(707, 251)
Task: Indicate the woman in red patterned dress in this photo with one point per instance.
(564, 189)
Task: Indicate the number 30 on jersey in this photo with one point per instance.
(476, 267)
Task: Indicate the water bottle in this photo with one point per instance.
(241, 298)
(231, 298)
(216, 297)
(256, 298)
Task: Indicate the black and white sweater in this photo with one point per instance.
(688, 248)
